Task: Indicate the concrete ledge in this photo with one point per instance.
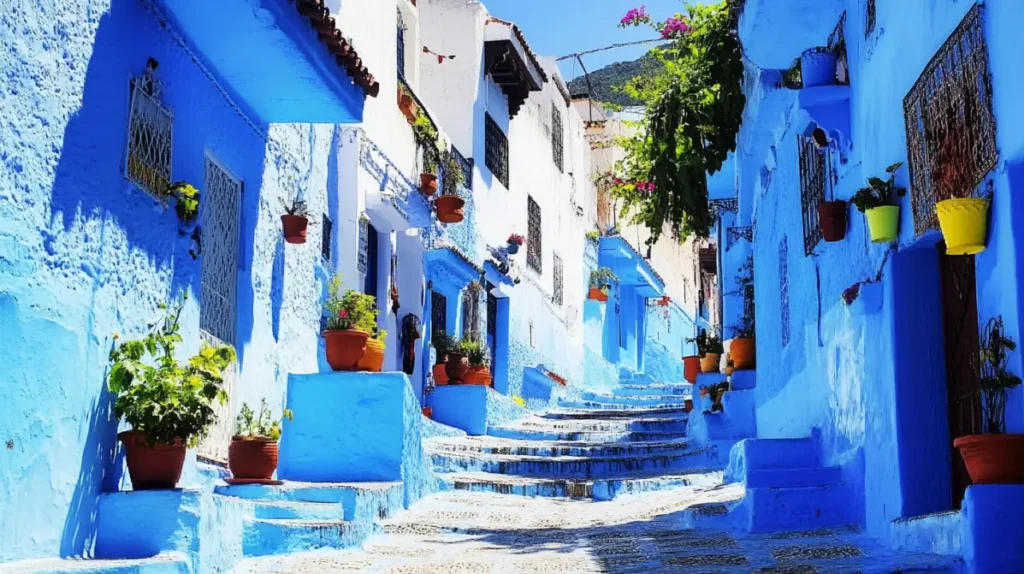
(993, 533)
(461, 406)
(145, 523)
(742, 380)
(939, 533)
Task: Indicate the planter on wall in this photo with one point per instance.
(964, 223)
(993, 458)
(832, 219)
(477, 376)
(456, 368)
(743, 351)
(407, 104)
(373, 357)
(884, 223)
(440, 373)
(597, 294)
(294, 228)
(345, 348)
(817, 68)
(428, 412)
(449, 208)
(513, 248)
(710, 362)
(428, 184)
(691, 368)
(152, 467)
(252, 458)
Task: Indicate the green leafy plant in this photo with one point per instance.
(350, 310)
(707, 343)
(187, 200)
(453, 174)
(158, 396)
(475, 351)
(593, 235)
(296, 207)
(443, 344)
(746, 326)
(995, 379)
(249, 424)
(424, 130)
(879, 192)
(603, 278)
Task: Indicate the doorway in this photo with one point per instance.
(960, 329)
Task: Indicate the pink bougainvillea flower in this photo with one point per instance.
(635, 17)
(618, 181)
(674, 27)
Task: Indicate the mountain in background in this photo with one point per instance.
(605, 80)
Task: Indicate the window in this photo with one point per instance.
(837, 45)
(401, 45)
(471, 311)
(492, 312)
(328, 236)
(869, 18)
(558, 149)
(496, 150)
(951, 131)
(438, 312)
(813, 171)
(534, 241)
(559, 295)
(150, 135)
(784, 289)
(220, 223)
(466, 165)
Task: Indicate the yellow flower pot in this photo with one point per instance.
(884, 223)
(964, 223)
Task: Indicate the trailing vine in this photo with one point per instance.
(694, 106)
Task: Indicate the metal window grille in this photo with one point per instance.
(837, 45)
(534, 240)
(150, 136)
(813, 173)
(438, 312)
(466, 165)
(220, 225)
(557, 132)
(951, 130)
(869, 18)
(492, 311)
(784, 289)
(748, 300)
(325, 240)
(471, 311)
(401, 45)
(496, 150)
(559, 294)
(363, 258)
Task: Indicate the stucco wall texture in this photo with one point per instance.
(84, 254)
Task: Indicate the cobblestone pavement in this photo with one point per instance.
(475, 532)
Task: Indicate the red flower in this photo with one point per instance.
(343, 314)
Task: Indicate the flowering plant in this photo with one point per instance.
(350, 310)
(516, 238)
(635, 17)
(674, 27)
(851, 293)
(187, 197)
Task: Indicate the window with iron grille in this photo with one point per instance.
(362, 257)
(221, 215)
(438, 312)
(557, 132)
(492, 311)
(837, 45)
(325, 241)
(784, 289)
(401, 45)
(496, 150)
(748, 300)
(951, 130)
(813, 173)
(534, 241)
(869, 18)
(559, 295)
(471, 311)
(150, 136)
(466, 165)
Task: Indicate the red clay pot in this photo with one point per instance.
(428, 412)
(597, 294)
(477, 376)
(449, 208)
(691, 368)
(832, 219)
(294, 228)
(373, 356)
(993, 458)
(152, 467)
(428, 184)
(345, 348)
(456, 368)
(441, 374)
(253, 458)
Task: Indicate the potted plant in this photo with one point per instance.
(295, 222)
(691, 367)
(479, 371)
(832, 219)
(428, 179)
(186, 198)
(593, 236)
(443, 343)
(169, 405)
(407, 104)
(879, 202)
(818, 67)
(252, 456)
(963, 219)
(449, 205)
(373, 356)
(456, 366)
(710, 351)
(994, 457)
(351, 317)
(601, 281)
(515, 241)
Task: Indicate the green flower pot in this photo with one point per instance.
(884, 223)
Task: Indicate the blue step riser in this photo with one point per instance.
(773, 510)
(600, 490)
(635, 425)
(621, 437)
(262, 538)
(298, 511)
(609, 415)
(628, 400)
(641, 406)
(575, 469)
(612, 449)
(662, 391)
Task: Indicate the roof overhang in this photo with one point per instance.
(632, 269)
(510, 63)
(449, 270)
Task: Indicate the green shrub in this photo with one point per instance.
(252, 425)
(350, 310)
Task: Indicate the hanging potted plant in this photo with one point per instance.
(601, 281)
(428, 179)
(443, 344)
(252, 456)
(373, 356)
(880, 203)
(479, 368)
(351, 317)
(449, 205)
(515, 241)
(169, 405)
(426, 137)
(407, 104)
(994, 457)
(186, 198)
(295, 222)
(832, 218)
(818, 67)
(963, 219)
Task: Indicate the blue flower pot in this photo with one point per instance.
(513, 248)
(818, 69)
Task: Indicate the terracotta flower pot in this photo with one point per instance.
(597, 295)
(832, 219)
(294, 228)
(691, 368)
(373, 356)
(449, 208)
(710, 362)
(428, 184)
(407, 104)
(253, 458)
(440, 374)
(345, 348)
(152, 467)
(993, 458)
(456, 368)
(477, 376)
(744, 353)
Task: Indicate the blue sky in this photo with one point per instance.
(561, 27)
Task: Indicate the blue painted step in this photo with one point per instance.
(652, 405)
(575, 467)
(600, 489)
(661, 390)
(620, 436)
(169, 563)
(265, 536)
(638, 399)
(582, 412)
(366, 501)
(793, 477)
(288, 510)
(611, 424)
(493, 445)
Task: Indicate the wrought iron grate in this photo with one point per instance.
(401, 45)
(471, 311)
(326, 238)
(870, 18)
(837, 45)
(784, 289)
(559, 293)
(492, 311)
(466, 165)
(737, 233)
(951, 130)
(150, 135)
(748, 300)
(813, 177)
(534, 239)
(220, 225)
(496, 150)
(557, 132)
(438, 312)
(363, 256)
